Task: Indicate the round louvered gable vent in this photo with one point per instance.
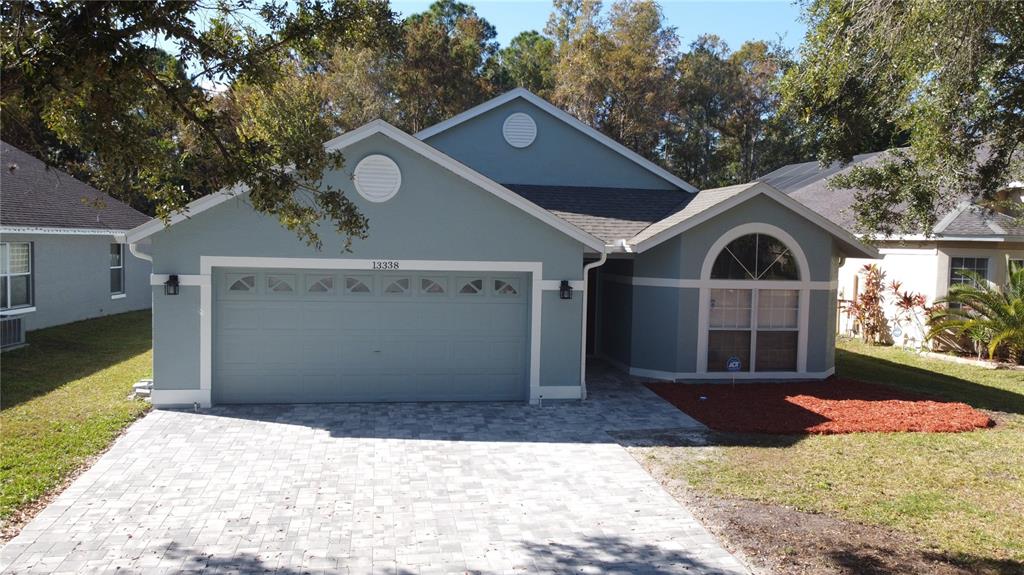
(519, 130)
(377, 178)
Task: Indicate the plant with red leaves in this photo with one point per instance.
(867, 310)
(909, 308)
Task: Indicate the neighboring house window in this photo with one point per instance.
(116, 269)
(758, 326)
(15, 275)
(958, 267)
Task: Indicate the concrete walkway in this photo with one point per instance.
(399, 488)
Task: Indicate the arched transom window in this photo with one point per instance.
(754, 327)
(755, 257)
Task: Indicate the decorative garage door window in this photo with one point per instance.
(471, 286)
(433, 286)
(396, 286)
(241, 283)
(322, 284)
(358, 285)
(280, 283)
(757, 326)
(506, 287)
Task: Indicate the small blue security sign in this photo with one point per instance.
(897, 331)
(733, 364)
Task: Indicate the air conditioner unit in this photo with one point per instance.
(12, 332)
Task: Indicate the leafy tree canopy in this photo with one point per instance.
(945, 77)
(529, 62)
(91, 77)
(726, 126)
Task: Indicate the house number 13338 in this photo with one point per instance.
(384, 264)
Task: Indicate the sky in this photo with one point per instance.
(733, 21)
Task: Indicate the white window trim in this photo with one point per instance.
(124, 275)
(202, 396)
(803, 286)
(31, 305)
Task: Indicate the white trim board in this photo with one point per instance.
(207, 263)
(565, 117)
(194, 207)
(729, 284)
(195, 280)
(398, 136)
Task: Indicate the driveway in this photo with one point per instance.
(361, 488)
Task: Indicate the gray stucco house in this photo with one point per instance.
(63, 255)
(506, 244)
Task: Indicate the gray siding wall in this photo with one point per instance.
(655, 329)
(664, 320)
(436, 215)
(560, 155)
(71, 276)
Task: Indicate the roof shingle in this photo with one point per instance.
(607, 213)
(36, 196)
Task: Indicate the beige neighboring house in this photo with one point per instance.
(969, 238)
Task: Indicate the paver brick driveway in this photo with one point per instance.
(406, 488)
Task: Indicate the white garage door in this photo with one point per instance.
(303, 336)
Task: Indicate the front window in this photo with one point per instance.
(749, 327)
(15, 275)
(961, 270)
(116, 269)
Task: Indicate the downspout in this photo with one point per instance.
(583, 333)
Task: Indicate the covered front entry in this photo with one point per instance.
(308, 335)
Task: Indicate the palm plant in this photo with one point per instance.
(979, 308)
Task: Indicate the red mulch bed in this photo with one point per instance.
(832, 406)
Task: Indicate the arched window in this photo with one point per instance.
(755, 257)
(753, 328)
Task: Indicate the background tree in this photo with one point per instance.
(576, 28)
(946, 75)
(637, 74)
(706, 83)
(359, 84)
(757, 135)
(446, 65)
(86, 75)
(726, 122)
(529, 62)
(613, 74)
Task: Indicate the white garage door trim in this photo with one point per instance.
(202, 396)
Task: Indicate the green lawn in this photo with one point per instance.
(961, 493)
(64, 399)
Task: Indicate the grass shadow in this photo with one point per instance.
(904, 377)
(59, 355)
(871, 560)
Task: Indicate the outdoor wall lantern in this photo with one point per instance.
(171, 286)
(565, 290)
